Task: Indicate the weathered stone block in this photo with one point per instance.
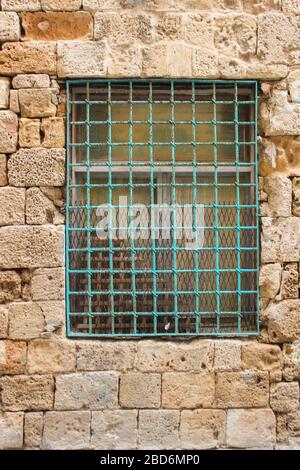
(140, 390)
(199, 30)
(19, 5)
(179, 60)
(3, 321)
(269, 280)
(8, 131)
(32, 57)
(278, 115)
(125, 61)
(123, 28)
(29, 133)
(205, 64)
(202, 429)
(36, 103)
(55, 316)
(291, 6)
(25, 392)
(64, 5)
(151, 67)
(80, 59)
(33, 428)
(290, 282)
(14, 104)
(251, 429)
(37, 167)
(291, 360)
(248, 389)
(235, 35)
(283, 321)
(12, 201)
(40, 210)
(284, 397)
(11, 431)
(10, 286)
(26, 320)
(115, 430)
(66, 430)
(227, 355)
(256, 7)
(3, 170)
(280, 155)
(170, 26)
(9, 27)
(188, 390)
(105, 355)
(53, 26)
(31, 81)
(259, 356)
(31, 247)
(279, 191)
(280, 240)
(4, 92)
(166, 426)
(296, 197)
(53, 130)
(48, 284)
(50, 356)
(12, 357)
(293, 423)
(153, 356)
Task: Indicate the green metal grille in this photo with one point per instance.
(179, 159)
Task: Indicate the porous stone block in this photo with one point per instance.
(151, 67)
(51, 356)
(179, 60)
(235, 35)
(40, 210)
(54, 312)
(106, 355)
(4, 92)
(123, 28)
(205, 63)
(11, 431)
(20, 5)
(29, 133)
(3, 170)
(116, 430)
(53, 130)
(280, 240)
(283, 321)
(259, 356)
(80, 59)
(199, 30)
(154, 356)
(247, 389)
(32, 57)
(251, 429)
(66, 430)
(280, 155)
(279, 192)
(284, 397)
(291, 6)
(12, 202)
(291, 361)
(33, 428)
(296, 196)
(3, 321)
(10, 286)
(12, 357)
(23, 392)
(9, 27)
(88, 390)
(202, 429)
(139, 390)
(269, 280)
(227, 355)
(54, 26)
(278, 115)
(31, 247)
(31, 81)
(158, 429)
(36, 103)
(26, 320)
(124, 61)
(64, 5)
(8, 131)
(14, 104)
(37, 167)
(170, 27)
(48, 284)
(188, 390)
(290, 282)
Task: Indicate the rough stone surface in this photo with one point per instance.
(227, 355)
(269, 280)
(31, 81)
(257, 356)
(19, 5)
(64, 5)
(10, 286)
(53, 130)
(33, 428)
(279, 192)
(3, 170)
(166, 425)
(36, 103)
(12, 201)
(202, 429)
(139, 390)
(251, 429)
(80, 58)
(280, 239)
(116, 430)
(9, 27)
(11, 431)
(8, 131)
(48, 284)
(40, 210)
(31, 57)
(29, 133)
(37, 167)
(284, 397)
(247, 389)
(291, 359)
(50, 356)
(4, 92)
(66, 430)
(185, 390)
(92, 390)
(290, 282)
(3, 321)
(283, 321)
(279, 156)
(26, 320)
(24, 392)
(12, 357)
(105, 355)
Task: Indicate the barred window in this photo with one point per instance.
(162, 227)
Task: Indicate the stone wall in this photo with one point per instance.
(57, 393)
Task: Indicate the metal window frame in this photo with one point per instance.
(192, 166)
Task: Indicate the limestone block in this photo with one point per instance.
(55, 316)
(153, 356)
(80, 59)
(3, 321)
(108, 355)
(19, 5)
(139, 390)
(32, 57)
(9, 27)
(151, 67)
(283, 321)
(33, 428)
(40, 210)
(269, 280)
(227, 355)
(12, 202)
(170, 26)
(116, 430)
(53, 130)
(29, 133)
(125, 61)
(291, 359)
(291, 6)
(259, 356)
(31, 81)
(23, 392)
(123, 29)
(31, 247)
(180, 60)
(280, 155)
(247, 389)
(188, 390)
(293, 85)
(251, 429)
(284, 397)
(293, 423)
(8, 132)
(296, 197)
(290, 282)
(279, 191)
(56, 195)
(278, 115)
(264, 6)
(199, 30)
(66, 430)
(36, 103)
(4, 92)
(50, 356)
(280, 240)
(205, 64)
(14, 104)
(11, 431)
(158, 429)
(202, 429)
(48, 284)
(3, 170)
(12, 357)
(37, 167)
(89, 390)
(235, 35)
(53, 26)
(26, 320)
(64, 5)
